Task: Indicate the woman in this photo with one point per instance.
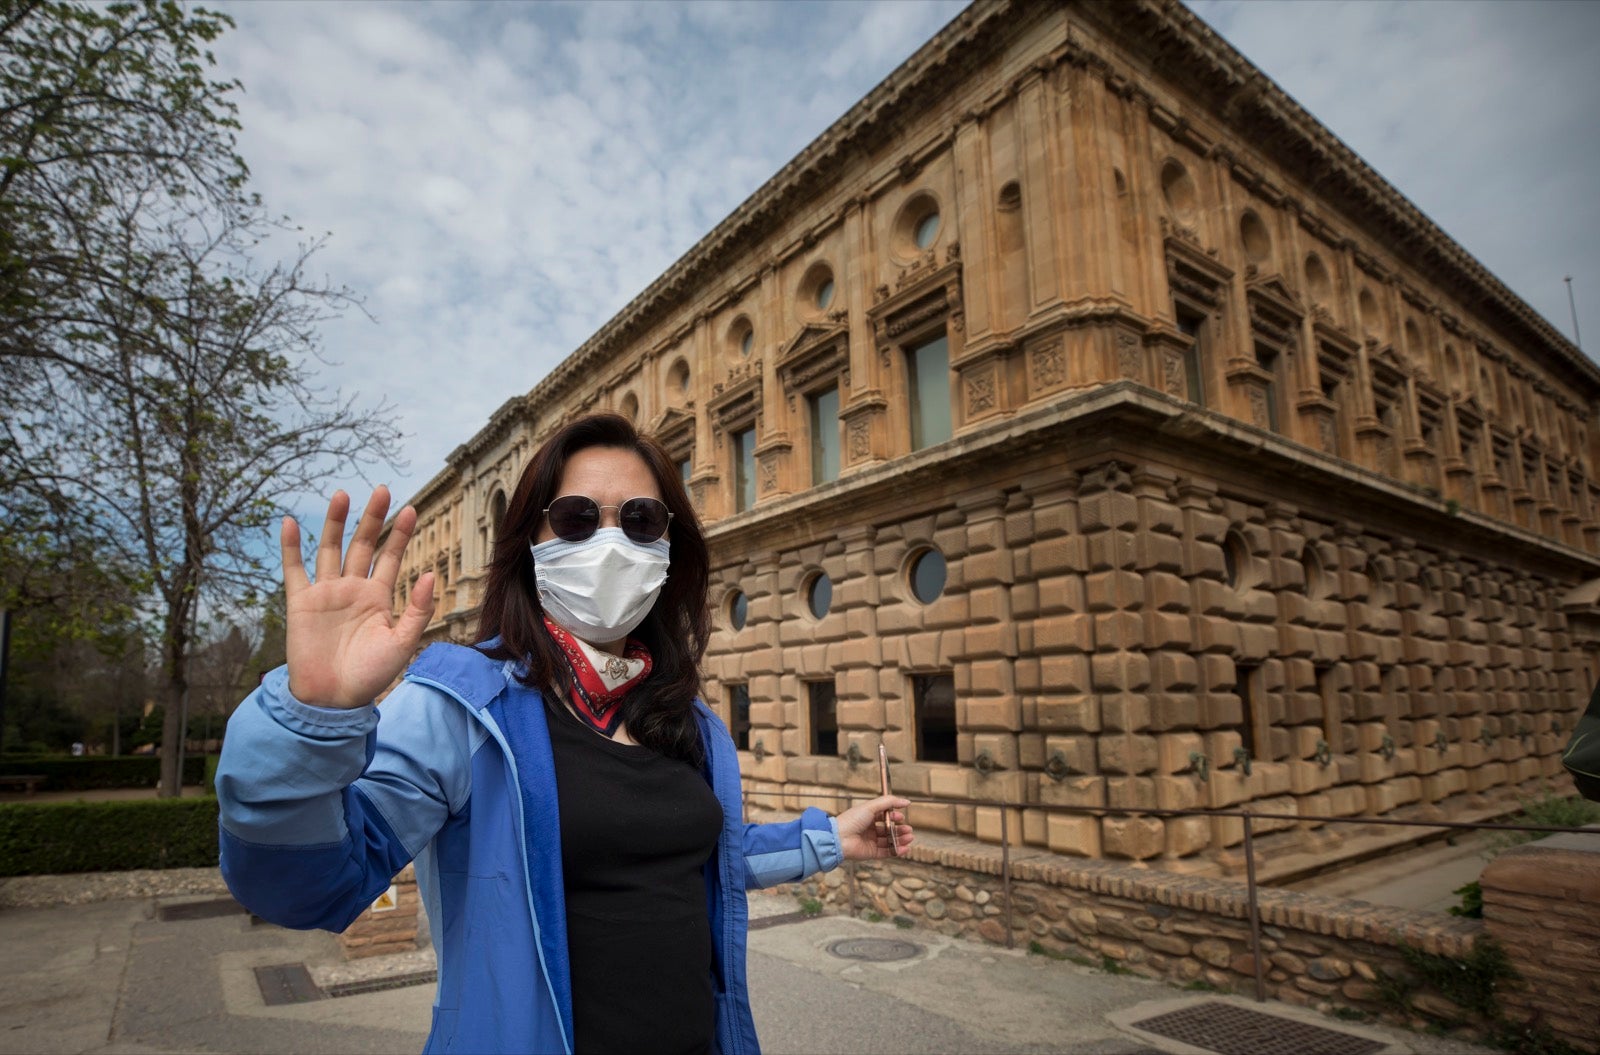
(572, 808)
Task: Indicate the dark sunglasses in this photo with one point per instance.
(575, 518)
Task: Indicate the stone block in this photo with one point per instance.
(1119, 630)
(1069, 632)
(1134, 838)
(1173, 751)
(948, 782)
(987, 819)
(1173, 711)
(1002, 713)
(1131, 793)
(1174, 672)
(1126, 753)
(1167, 630)
(1077, 836)
(1216, 634)
(1000, 747)
(1068, 713)
(1120, 671)
(1186, 836)
(1073, 791)
(1124, 712)
(1078, 752)
(1114, 591)
(1179, 792)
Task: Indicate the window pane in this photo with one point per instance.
(824, 718)
(739, 697)
(927, 230)
(934, 702)
(686, 467)
(820, 596)
(739, 610)
(928, 576)
(929, 367)
(744, 470)
(824, 436)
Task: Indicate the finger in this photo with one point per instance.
(358, 560)
(419, 612)
(332, 543)
(294, 567)
(387, 568)
(884, 803)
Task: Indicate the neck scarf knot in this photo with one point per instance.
(599, 679)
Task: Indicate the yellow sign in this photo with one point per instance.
(387, 901)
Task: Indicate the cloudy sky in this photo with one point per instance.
(500, 179)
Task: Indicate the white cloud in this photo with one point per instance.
(500, 179)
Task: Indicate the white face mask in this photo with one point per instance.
(600, 588)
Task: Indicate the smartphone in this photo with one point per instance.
(883, 789)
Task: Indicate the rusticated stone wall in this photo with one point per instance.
(1143, 634)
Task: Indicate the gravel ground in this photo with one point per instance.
(87, 887)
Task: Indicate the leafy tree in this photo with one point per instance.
(160, 399)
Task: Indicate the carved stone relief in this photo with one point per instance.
(1173, 381)
(1049, 365)
(860, 440)
(980, 393)
(1128, 355)
(1258, 407)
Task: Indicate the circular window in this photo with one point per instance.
(741, 337)
(927, 230)
(738, 609)
(928, 574)
(1234, 556)
(1010, 197)
(1253, 233)
(816, 290)
(1177, 187)
(1318, 280)
(678, 379)
(819, 594)
(1371, 316)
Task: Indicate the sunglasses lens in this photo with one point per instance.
(644, 519)
(574, 517)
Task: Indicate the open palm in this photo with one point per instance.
(343, 645)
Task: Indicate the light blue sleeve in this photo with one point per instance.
(321, 807)
(792, 850)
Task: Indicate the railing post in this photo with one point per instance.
(1005, 874)
(1255, 911)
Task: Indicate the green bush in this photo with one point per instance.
(48, 838)
(98, 772)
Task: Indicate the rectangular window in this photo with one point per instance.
(928, 381)
(933, 699)
(685, 467)
(1244, 687)
(1269, 360)
(1191, 325)
(744, 470)
(739, 716)
(824, 718)
(824, 408)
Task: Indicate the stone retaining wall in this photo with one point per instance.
(1542, 902)
(386, 928)
(1320, 952)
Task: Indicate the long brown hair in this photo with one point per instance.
(659, 713)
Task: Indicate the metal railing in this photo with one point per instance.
(1247, 816)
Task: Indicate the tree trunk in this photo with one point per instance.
(176, 681)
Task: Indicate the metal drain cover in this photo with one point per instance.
(287, 983)
(876, 950)
(1228, 1029)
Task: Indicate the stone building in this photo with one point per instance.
(1083, 420)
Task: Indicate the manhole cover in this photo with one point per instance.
(225, 906)
(1232, 1030)
(877, 950)
(287, 983)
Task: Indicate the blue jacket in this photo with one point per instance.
(321, 807)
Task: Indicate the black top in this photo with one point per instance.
(636, 830)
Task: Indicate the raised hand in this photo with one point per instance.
(343, 647)
(863, 834)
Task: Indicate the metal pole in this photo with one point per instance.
(1577, 339)
(1005, 875)
(1255, 910)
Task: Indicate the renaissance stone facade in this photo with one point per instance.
(1082, 420)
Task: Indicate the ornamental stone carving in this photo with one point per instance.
(980, 393)
(1049, 366)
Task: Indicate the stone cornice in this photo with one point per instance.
(1180, 46)
(969, 39)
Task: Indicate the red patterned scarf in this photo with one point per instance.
(599, 679)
